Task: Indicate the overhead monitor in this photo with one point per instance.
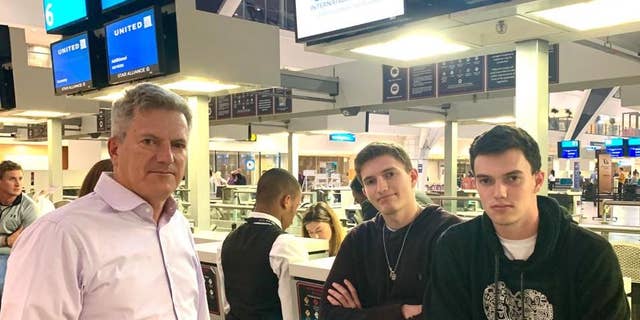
(71, 62)
(615, 147)
(633, 147)
(134, 46)
(110, 4)
(569, 149)
(318, 18)
(63, 13)
(342, 137)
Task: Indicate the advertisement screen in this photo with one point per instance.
(59, 13)
(316, 17)
(132, 47)
(71, 60)
(568, 149)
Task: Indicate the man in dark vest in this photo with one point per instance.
(256, 256)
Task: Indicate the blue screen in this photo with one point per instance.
(58, 13)
(634, 147)
(132, 47)
(342, 137)
(569, 149)
(615, 147)
(71, 64)
(107, 4)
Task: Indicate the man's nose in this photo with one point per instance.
(164, 153)
(500, 190)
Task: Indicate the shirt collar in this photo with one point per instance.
(122, 199)
(267, 216)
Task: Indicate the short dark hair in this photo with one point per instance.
(8, 165)
(356, 186)
(275, 183)
(502, 138)
(91, 179)
(377, 149)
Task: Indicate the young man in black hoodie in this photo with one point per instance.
(523, 258)
(382, 269)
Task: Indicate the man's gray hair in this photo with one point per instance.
(144, 97)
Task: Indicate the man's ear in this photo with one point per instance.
(285, 201)
(113, 145)
(413, 173)
(539, 179)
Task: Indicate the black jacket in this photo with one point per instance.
(361, 260)
(573, 273)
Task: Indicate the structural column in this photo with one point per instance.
(450, 163)
(54, 152)
(292, 153)
(198, 163)
(532, 95)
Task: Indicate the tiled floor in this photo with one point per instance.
(624, 216)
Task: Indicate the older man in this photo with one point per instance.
(124, 251)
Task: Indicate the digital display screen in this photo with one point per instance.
(59, 13)
(316, 17)
(615, 147)
(71, 59)
(568, 149)
(634, 147)
(132, 47)
(108, 4)
(342, 137)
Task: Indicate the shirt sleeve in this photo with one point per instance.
(29, 214)
(203, 306)
(344, 268)
(44, 275)
(286, 250)
(447, 286)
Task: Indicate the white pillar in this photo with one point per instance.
(450, 162)
(54, 153)
(532, 95)
(198, 163)
(292, 153)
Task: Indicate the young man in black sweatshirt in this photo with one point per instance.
(523, 258)
(383, 264)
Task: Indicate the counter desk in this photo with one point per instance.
(307, 281)
(208, 244)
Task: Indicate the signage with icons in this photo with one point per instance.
(71, 63)
(615, 147)
(633, 147)
(569, 149)
(342, 137)
(62, 13)
(134, 47)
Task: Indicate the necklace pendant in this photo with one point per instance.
(392, 275)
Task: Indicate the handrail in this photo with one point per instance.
(606, 203)
(606, 229)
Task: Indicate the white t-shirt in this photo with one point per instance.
(518, 249)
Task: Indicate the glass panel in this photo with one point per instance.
(226, 162)
(255, 10)
(250, 175)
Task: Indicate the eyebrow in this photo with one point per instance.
(383, 171)
(510, 173)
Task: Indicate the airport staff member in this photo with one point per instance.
(382, 268)
(17, 211)
(523, 258)
(256, 256)
(123, 251)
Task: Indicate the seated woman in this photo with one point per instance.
(321, 222)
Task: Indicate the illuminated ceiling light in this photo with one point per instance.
(411, 47)
(430, 124)
(199, 86)
(16, 120)
(111, 96)
(42, 114)
(496, 120)
(593, 14)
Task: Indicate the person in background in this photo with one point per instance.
(17, 211)
(383, 265)
(123, 251)
(634, 177)
(240, 180)
(321, 222)
(256, 256)
(622, 178)
(552, 179)
(367, 209)
(90, 180)
(523, 258)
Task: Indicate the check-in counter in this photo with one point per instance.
(568, 199)
(307, 280)
(208, 250)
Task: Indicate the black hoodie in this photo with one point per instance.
(572, 273)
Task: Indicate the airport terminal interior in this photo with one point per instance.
(305, 84)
